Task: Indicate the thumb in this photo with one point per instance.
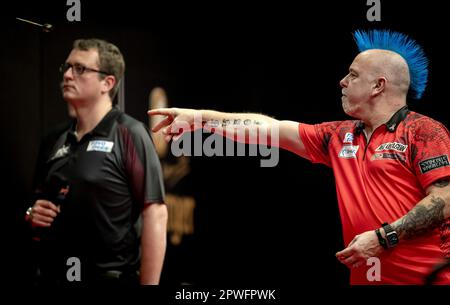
(345, 253)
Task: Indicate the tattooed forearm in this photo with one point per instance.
(232, 122)
(421, 219)
(441, 183)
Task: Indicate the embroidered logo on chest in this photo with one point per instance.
(103, 146)
(348, 151)
(391, 156)
(61, 152)
(393, 146)
(348, 138)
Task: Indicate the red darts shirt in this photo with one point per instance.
(383, 179)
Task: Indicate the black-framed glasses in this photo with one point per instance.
(78, 69)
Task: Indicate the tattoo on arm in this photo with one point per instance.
(441, 183)
(225, 123)
(211, 123)
(234, 122)
(421, 219)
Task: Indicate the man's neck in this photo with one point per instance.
(89, 115)
(377, 116)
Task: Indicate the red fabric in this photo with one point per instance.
(378, 183)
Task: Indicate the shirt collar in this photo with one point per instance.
(391, 125)
(103, 127)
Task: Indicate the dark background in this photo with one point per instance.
(253, 225)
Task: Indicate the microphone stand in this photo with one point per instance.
(45, 27)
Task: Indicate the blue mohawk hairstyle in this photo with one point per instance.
(405, 47)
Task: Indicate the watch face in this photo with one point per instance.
(392, 238)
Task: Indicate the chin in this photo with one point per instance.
(348, 111)
(67, 95)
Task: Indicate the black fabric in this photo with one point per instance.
(391, 125)
(108, 176)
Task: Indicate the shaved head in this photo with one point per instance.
(388, 64)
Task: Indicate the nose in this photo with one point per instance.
(343, 83)
(68, 74)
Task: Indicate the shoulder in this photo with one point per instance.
(424, 128)
(415, 119)
(339, 124)
(128, 124)
(339, 128)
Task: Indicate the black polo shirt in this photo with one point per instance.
(107, 178)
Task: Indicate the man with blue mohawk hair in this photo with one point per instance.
(391, 165)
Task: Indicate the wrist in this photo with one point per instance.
(390, 235)
(382, 232)
(381, 237)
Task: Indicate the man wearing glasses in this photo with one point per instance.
(99, 205)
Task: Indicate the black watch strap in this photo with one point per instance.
(387, 227)
(391, 235)
(381, 240)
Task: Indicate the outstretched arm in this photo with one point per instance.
(427, 215)
(250, 128)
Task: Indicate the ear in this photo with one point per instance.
(108, 83)
(379, 86)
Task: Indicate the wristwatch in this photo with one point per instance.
(391, 235)
(381, 240)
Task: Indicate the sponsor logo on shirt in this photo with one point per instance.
(61, 152)
(348, 137)
(393, 156)
(104, 146)
(433, 163)
(392, 146)
(348, 151)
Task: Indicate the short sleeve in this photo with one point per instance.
(142, 165)
(430, 149)
(316, 139)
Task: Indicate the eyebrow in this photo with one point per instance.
(75, 63)
(351, 70)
